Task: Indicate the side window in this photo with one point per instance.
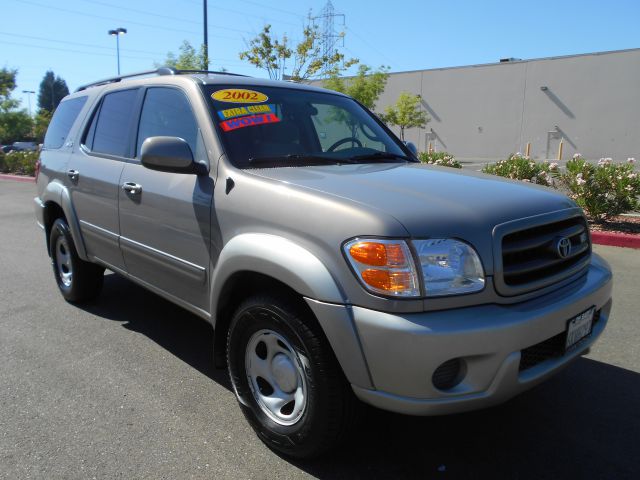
(110, 128)
(166, 112)
(62, 121)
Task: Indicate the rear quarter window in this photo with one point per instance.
(62, 121)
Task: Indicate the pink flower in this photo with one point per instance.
(576, 156)
(631, 160)
(554, 165)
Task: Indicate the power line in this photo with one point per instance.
(120, 20)
(172, 18)
(71, 50)
(102, 47)
(245, 14)
(271, 7)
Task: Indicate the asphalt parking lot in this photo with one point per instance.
(124, 388)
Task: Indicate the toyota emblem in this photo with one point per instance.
(563, 247)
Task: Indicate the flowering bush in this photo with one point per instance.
(442, 159)
(23, 163)
(603, 190)
(520, 167)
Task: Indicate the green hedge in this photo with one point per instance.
(21, 163)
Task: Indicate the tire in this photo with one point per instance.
(305, 405)
(78, 281)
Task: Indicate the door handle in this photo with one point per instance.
(132, 188)
(73, 174)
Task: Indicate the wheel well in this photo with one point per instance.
(238, 287)
(52, 211)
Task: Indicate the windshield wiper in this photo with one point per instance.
(297, 159)
(380, 156)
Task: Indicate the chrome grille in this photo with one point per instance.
(541, 255)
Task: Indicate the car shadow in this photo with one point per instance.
(185, 335)
(582, 423)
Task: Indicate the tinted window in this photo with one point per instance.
(281, 126)
(62, 120)
(114, 122)
(166, 112)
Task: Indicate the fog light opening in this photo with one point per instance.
(449, 374)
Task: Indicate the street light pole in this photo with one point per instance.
(29, 92)
(116, 33)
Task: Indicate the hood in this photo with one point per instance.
(428, 201)
(436, 202)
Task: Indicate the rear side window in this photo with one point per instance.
(110, 129)
(62, 121)
(166, 112)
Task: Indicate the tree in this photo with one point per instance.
(187, 59)
(267, 52)
(15, 124)
(406, 113)
(365, 87)
(40, 124)
(52, 90)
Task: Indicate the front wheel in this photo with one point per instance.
(287, 380)
(78, 281)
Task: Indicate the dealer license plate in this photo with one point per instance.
(579, 327)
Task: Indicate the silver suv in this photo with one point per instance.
(333, 266)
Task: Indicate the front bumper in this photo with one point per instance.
(403, 351)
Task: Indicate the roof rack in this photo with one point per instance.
(157, 71)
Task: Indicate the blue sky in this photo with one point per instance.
(71, 37)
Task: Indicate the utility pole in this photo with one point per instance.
(205, 48)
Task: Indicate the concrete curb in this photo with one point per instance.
(627, 240)
(17, 178)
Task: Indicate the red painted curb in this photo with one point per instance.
(17, 178)
(616, 239)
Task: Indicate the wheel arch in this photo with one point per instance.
(57, 203)
(256, 263)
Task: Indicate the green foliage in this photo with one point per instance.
(442, 159)
(519, 167)
(40, 124)
(603, 190)
(52, 90)
(366, 87)
(15, 124)
(406, 113)
(269, 53)
(22, 163)
(187, 59)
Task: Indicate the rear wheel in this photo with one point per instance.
(78, 281)
(287, 380)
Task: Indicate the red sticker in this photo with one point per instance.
(249, 121)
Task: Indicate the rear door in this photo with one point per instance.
(95, 171)
(165, 223)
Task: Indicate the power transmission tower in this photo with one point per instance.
(329, 37)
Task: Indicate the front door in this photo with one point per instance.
(165, 222)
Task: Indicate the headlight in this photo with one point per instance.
(449, 267)
(384, 266)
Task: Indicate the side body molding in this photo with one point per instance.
(57, 193)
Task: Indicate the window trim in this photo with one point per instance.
(96, 111)
(146, 88)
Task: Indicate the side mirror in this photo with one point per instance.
(169, 154)
(411, 147)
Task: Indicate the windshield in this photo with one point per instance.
(267, 126)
